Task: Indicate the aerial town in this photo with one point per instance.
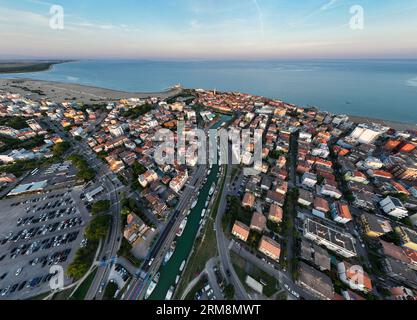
(331, 214)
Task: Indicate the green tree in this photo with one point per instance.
(100, 206)
(229, 291)
(60, 148)
(98, 228)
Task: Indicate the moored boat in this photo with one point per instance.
(182, 227)
(152, 286)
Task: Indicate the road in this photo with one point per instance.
(222, 243)
(113, 186)
(282, 277)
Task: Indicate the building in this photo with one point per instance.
(341, 212)
(147, 178)
(240, 231)
(354, 276)
(400, 272)
(270, 248)
(135, 229)
(331, 191)
(315, 282)
(367, 134)
(116, 131)
(248, 200)
(275, 213)
(258, 222)
(7, 177)
(321, 204)
(33, 187)
(305, 197)
(309, 180)
(408, 237)
(394, 207)
(179, 181)
(403, 293)
(275, 198)
(374, 226)
(332, 239)
(315, 254)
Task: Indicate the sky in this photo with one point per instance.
(209, 29)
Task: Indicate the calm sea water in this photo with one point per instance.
(385, 89)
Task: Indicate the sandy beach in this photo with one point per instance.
(59, 92)
(392, 124)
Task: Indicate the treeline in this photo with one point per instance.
(84, 257)
(84, 170)
(138, 111)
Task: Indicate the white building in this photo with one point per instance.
(372, 163)
(322, 151)
(394, 207)
(179, 181)
(328, 190)
(116, 131)
(309, 179)
(368, 134)
(335, 240)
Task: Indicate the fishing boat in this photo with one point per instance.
(170, 293)
(182, 266)
(194, 204)
(152, 286)
(170, 252)
(182, 227)
(203, 213)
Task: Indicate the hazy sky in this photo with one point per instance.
(208, 29)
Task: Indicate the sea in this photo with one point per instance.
(383, 89)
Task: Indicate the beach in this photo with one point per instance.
(60, 92)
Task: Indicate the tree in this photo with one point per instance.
(138, 168)
(229, 291)
(100, 206)
(98, 228)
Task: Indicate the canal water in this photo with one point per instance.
(185, 244)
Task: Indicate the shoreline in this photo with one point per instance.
(61, 91)
(26, 67)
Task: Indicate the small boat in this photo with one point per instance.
(208, 173)
(152, 286)
(170, 253)
(188, 212)
(213, 187)
(194, 204)
(182, 266)
(170, 293)
(177, 279)
(182, 227)
(207, 203)
(203, 213)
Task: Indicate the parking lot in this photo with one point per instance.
(37, 232)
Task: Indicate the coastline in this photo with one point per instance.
(22, 67)
(60, 92)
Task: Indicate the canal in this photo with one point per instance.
(170, 271)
